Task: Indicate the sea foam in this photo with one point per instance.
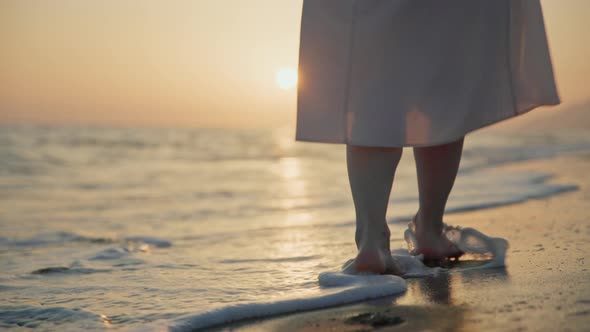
(336, 289)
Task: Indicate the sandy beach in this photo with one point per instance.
(544, 286)
(107, 238)
(160, 167)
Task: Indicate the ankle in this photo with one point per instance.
(427, 225)
(375, 239)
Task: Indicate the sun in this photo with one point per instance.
(287, 78)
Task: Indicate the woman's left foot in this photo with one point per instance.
(434, 246)
(437, 247)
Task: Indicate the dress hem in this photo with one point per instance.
(436, 143)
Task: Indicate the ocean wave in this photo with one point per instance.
(51, 239)
(111, 254)
(269, 260)
(48, 318)
(339, 288)
(11, 288)
(152, 241)
(546, 191)
(68, 270)
(57, 238)
(338, 291)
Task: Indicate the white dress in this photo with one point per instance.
(396, 73)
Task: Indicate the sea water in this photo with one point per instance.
(182, 228)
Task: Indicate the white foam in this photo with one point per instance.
(337, 289)
(149, 240)
(412, 266)
(470, 241)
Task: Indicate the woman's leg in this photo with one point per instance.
(437, 168)
(371, 171)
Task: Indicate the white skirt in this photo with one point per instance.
(396, 73)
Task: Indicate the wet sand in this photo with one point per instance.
(544, 287)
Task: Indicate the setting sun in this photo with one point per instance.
(287, 78)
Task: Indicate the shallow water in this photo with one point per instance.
(104, 227)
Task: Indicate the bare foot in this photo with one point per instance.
(374, 254)
(437, 247)
(373, 260)
(433, 244)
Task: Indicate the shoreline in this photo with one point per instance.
(544, 286)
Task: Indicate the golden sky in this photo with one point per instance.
(188, 62)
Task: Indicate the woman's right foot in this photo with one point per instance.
(370, 261)
(374, 255)
(373, 260)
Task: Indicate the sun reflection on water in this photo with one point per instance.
(293, 196)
